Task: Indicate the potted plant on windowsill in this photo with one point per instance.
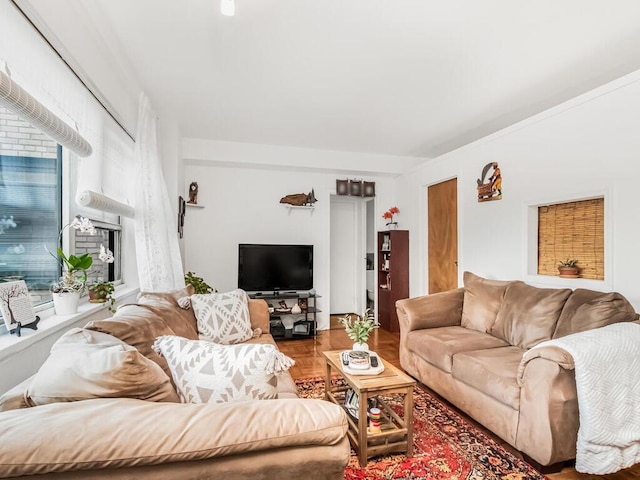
(359, 329)
(102, 292)
(568, 268)
(66, 291)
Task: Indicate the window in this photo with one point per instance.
(30, 205)
(108, 235)
(31, 213)
(572, 230)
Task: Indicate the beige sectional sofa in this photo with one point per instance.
(468, 346)
(128, 438)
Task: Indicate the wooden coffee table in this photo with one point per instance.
(397, 432)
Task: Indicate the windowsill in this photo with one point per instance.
(552, 281)
(51, 323)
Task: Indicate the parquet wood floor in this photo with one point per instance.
(309, 363)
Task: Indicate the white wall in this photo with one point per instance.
(242, 206)
(586, 147)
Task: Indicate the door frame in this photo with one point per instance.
(360, 247)
(424, 231)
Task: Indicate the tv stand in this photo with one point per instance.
(304, 326)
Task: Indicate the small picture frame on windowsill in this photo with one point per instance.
(16, 308)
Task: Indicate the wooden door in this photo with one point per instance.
(442, 224)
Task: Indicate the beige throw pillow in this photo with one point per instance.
(205, 372)
(482, 301)
(223, 317)
(86, 364)
(589, 309)
(529, 314)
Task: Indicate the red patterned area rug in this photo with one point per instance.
(445, 445)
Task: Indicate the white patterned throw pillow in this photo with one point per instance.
(205, 372)
(223, 317)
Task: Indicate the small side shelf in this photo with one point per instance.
(298, 207)
(194, 205)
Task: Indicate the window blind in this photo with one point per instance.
(572, 230)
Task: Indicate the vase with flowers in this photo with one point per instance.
(67, 290)
(388, 215)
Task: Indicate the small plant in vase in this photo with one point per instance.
(102, 292)
(388, 215)
(359, 329)
(568, 268)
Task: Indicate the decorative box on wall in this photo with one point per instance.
(393, 275)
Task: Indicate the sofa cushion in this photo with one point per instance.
(139, 326)
(482, 301)
(118, 433)
(85, 364)
(205, 372)
(589, 309)
(165, 304)
(438, 345)
(494, 372)
(223, 317)
(529, 314)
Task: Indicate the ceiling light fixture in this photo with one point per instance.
(228, 7)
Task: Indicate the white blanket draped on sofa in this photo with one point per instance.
(607, 366)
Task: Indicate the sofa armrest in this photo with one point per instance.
(127, 432)
(549, 421)
(259, 313)
(442, 309)
(553, 354)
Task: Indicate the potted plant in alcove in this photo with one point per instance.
(568, 268)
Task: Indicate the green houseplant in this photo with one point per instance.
(359, 329)
(198, 283)
(102, 292)
(568, 268)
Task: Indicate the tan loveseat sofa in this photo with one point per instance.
(125, 438)
(468, 345)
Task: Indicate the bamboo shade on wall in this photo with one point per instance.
(572, 230)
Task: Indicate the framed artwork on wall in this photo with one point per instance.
(355, 188)
(342, 187)
(182, 205)
(369, 189)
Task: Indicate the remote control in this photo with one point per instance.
(374, 361)
(345, 358)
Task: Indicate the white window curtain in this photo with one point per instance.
(158, 253)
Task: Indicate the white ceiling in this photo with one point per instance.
(398, 77)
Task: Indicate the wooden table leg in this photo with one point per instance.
(327, 381)
(363, 404)
(408, 419)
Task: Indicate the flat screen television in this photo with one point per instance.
(275, 267)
